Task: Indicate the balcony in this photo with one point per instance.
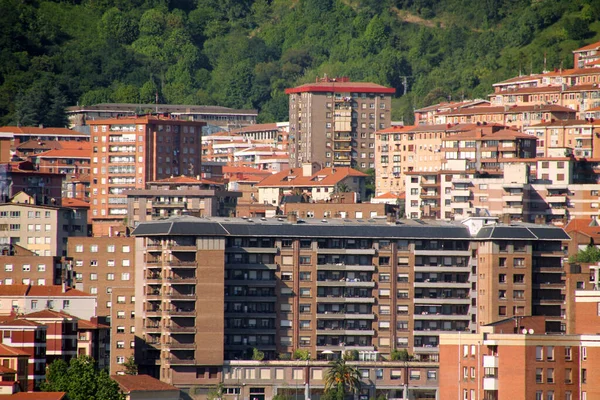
(181, 264)
(463, 205)
(252, 282)
(344, 267)
(182, 296)
(330, 315)
(559, 199)
(339, 299)
(180, 346)
(251, 266)
(556, 211)
(181, 329)
(441, 284)
(370, 251)
(490, 362)
(169, 204)
(153, 312)
(513, 210)
(341, 348)
(152, 328)
(428, 183)
(179, 361)
(253, 250)
(441, 301)
(490, 383)
(182, 247)
(153, 295)
(182, 312)
(346, 332)
(437, 316)
(346, 283)
(513, 198)
(460, 193)
(191, 280)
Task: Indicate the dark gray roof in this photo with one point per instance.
(522, 231)
(374, 228)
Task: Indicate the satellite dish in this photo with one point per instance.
(524, 331)
(531, 331)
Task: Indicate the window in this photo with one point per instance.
(518, 294)
(94, 248)
(304, 292)
(518, 262)
(539, 353)
(120, 360)
(550, 353)
(110, 248)
(120, 299)
(125, 276)
(568, 356)
(120, 329)
(120, 344)
(8, 267)
(93, 277)
(305, 276)
(539, 375)
(26, 267)
(110, 277)
(120, 314)
(125, 249)
(550, 375)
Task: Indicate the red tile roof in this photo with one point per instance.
(84, 324)
(591, 46)
(66, 153)
(390, 195)
(48, 314)
(8, 351)
(19, 322)
(227, 169)
(508, 110)
(565, 122)
(141, 383)
(75, 203)
(34, 130)
(582, 225)
(38, 396)
(39, 291)
(6, 370)
(345, 87)
(294, 178)
(396, 129)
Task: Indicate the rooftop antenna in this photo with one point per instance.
(545, 70)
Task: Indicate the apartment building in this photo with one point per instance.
(324, 286)
(318, 184)
(513, 359)
(93, 339)
(580, 138)
(105, 269)
(223, 117)
(427, 115)
(181, 195)
(22, 177)
(26, 339)
(28, 268)
(333, 122)
(65, 161)
(129, 152)
(61, 333)
(41, 229)
(341, 209)
(401, 150)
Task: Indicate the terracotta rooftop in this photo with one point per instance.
(293, 177)
(451, 104)
(38, 396)
(66, 153)
(584, 226)
(256, 128)
(141, 383)
(245, 170)
(40, 291)
(591, 46)
(8, 351)
(6, 370)
(48, 314)
(339, 86)
(86, 325)
(390, 195)
(75, 203)
(34, 130)
(508, 110)
(565, 122)
(504, 134)
(12, 321)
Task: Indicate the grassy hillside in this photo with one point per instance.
(243, 53)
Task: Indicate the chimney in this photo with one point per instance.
(64, 287)
(292, 218)
(307, 169)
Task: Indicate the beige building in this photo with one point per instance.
(41, 229)
(333, 122)
(580, 138)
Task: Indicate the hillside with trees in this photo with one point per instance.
(243, 53)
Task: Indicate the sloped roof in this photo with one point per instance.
(34, 130)
(75, 203)
(84, 324)
(9, 351)
(293, 177)
(6, 370)
(584, 226)
(38, 396)
(186, 180)
(508, 110)
(503, 134)
(40, 291)
(48, 314)
(591, 46)
(12, 321)
(390, 195)
(141, 383)
(66, 153)
(339, 86)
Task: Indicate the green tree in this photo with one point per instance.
(131, 367)
(301, 354)
(81, 380)
(591, 255)
(342, 378)
(399, 355)
(257, 355)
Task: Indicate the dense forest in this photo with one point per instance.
(244, 53)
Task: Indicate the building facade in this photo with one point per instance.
(333, 122)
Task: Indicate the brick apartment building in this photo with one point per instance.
(333, 122)
(105, 269)
(27, 339)
(329, 286)
(129, 152)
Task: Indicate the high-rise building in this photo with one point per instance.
(333, 122)
(366, 286)
(128, 152)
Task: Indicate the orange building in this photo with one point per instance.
(128, 152)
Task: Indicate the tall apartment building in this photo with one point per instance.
(333, 122)
(129, 152)
(324, 286)
(27, 338)
(104, 267)
(580, 138)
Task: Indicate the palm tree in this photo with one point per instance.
(342, 378)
